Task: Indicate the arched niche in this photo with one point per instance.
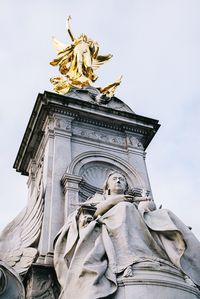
(94, 166)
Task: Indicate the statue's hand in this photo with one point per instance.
(84, 220)
(129, 198)
(117, 198)
(147, 206)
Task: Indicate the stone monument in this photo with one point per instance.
(91, 228)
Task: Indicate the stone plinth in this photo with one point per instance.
(72, 142)
(147, 280)
(70, 145)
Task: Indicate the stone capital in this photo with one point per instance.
(70, 182)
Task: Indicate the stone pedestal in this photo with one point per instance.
(73, 142)
(70, 145)
(147, 280)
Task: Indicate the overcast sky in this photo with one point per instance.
(155, 46)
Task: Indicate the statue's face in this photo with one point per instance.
(117, 183)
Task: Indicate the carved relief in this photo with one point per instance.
(91, 134)
(95, 175)
(35, 167)
(128, 272)
(50, 123)
(62, 123)
(58, 122)
(134, 142)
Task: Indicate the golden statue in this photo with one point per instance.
(77, 63)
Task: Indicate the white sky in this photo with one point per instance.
(155, 46)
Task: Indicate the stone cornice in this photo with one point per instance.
(86, 112)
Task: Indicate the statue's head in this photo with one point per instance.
(115, 183)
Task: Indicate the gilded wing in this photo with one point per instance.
(64, 56)
(61, 84)
(19, 238)
(109, 89)
(99, 60)
(58, 45)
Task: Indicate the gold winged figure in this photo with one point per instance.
(77, 63)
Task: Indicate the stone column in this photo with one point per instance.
(57, 156)
(136, 157)
(71, 190)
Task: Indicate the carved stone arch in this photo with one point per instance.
(94, 166)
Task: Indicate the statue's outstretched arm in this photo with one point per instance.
(113, 200)
(68, 28)
(110, 202)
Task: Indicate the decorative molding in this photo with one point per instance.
(128, 272)
(71, 189)
(111, 123)
(35, 170)
(96, 135)
(159, 273)
(134, 142)
(49, 104)
(58, 122)
(63, 124)
(70, 182)
(95, 173)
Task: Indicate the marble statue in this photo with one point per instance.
(112, 231)
(18, 240)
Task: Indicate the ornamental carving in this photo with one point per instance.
(91, 134)
(134, 142)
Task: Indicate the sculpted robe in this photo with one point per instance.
(89, 260)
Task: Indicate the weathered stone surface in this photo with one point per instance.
(11, 286)
(70, 146)
(120, 246)
(19, 239)
(155, 280)
(41, 283)
(78, 141)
